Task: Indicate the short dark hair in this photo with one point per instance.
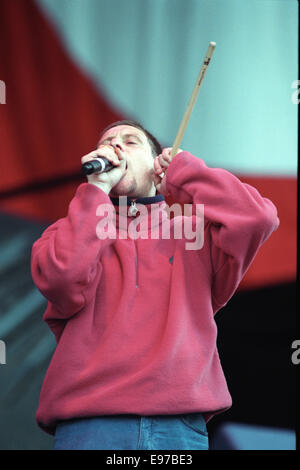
(154, 144)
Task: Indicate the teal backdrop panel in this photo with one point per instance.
(145, 56)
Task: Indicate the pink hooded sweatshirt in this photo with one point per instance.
(133, 316)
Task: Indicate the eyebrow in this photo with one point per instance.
(108, 139)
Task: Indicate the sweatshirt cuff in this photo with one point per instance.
(177, 171)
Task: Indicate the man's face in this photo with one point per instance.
(138, 179)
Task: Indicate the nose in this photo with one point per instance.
(116, 142)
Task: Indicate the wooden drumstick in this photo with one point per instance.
(193, 98)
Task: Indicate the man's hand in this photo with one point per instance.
(107, 179)
(161, 163)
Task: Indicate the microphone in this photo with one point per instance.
(96, 166)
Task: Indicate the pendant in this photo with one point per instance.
(133, 210)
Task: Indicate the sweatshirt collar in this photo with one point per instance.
(140, 200)
(148, 218)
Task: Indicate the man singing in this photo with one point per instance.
(136, 363)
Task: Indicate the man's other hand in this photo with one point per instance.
(161, 163)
